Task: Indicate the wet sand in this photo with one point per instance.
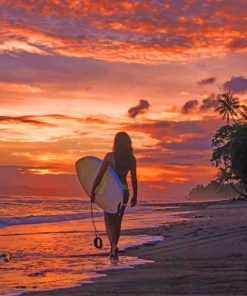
(205, 255)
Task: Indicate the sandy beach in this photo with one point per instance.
(203, 255)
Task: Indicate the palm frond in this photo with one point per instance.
(229, 106)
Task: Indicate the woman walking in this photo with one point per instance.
(123, 161)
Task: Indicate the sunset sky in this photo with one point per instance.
(73, 73)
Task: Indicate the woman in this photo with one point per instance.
(123, 161)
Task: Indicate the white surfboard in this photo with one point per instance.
(109, 193)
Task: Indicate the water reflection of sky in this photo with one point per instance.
(51, 255)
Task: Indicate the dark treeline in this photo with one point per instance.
(213, 191)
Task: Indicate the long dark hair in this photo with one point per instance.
(123, 152)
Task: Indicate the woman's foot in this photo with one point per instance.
(110, 255)
(115, 254)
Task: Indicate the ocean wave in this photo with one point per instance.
(44, 219)
(49, 218)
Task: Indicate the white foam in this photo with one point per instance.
(144, 239)
(124, 263)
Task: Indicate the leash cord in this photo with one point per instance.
(93, 221)
(98, 243)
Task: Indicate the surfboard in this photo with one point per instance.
(109, 194)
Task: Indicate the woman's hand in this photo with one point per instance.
(100, 175)
(133, 201)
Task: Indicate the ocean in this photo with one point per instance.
(49, 241)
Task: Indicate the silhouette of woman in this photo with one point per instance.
(123, 161)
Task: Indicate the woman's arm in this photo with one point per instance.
(134, 183)
(100, 175)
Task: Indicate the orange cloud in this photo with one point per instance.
(140, 32)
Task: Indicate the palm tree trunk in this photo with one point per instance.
(239, 192)
(234, 120)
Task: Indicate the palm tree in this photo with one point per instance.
(229, 106)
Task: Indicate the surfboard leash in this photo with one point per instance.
(98, 243)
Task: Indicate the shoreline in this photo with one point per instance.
(203, 254)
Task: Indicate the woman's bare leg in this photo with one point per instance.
(118, 225)
(111, 226)
(120, 217)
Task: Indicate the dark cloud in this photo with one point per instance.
(209, 103)
(58, 116)
(240, 43)
(148, 159)
(95, 120)
(25, 119)
(161, 124)
(88, 119)
(189, 106)
(190, 144)
(208, 80)
(236, 84)
(39, 120)
(196, 126)
(163, 129)
(51, 69)
(168, 160)
(141, 108)
(183, 144)
(174, 156)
